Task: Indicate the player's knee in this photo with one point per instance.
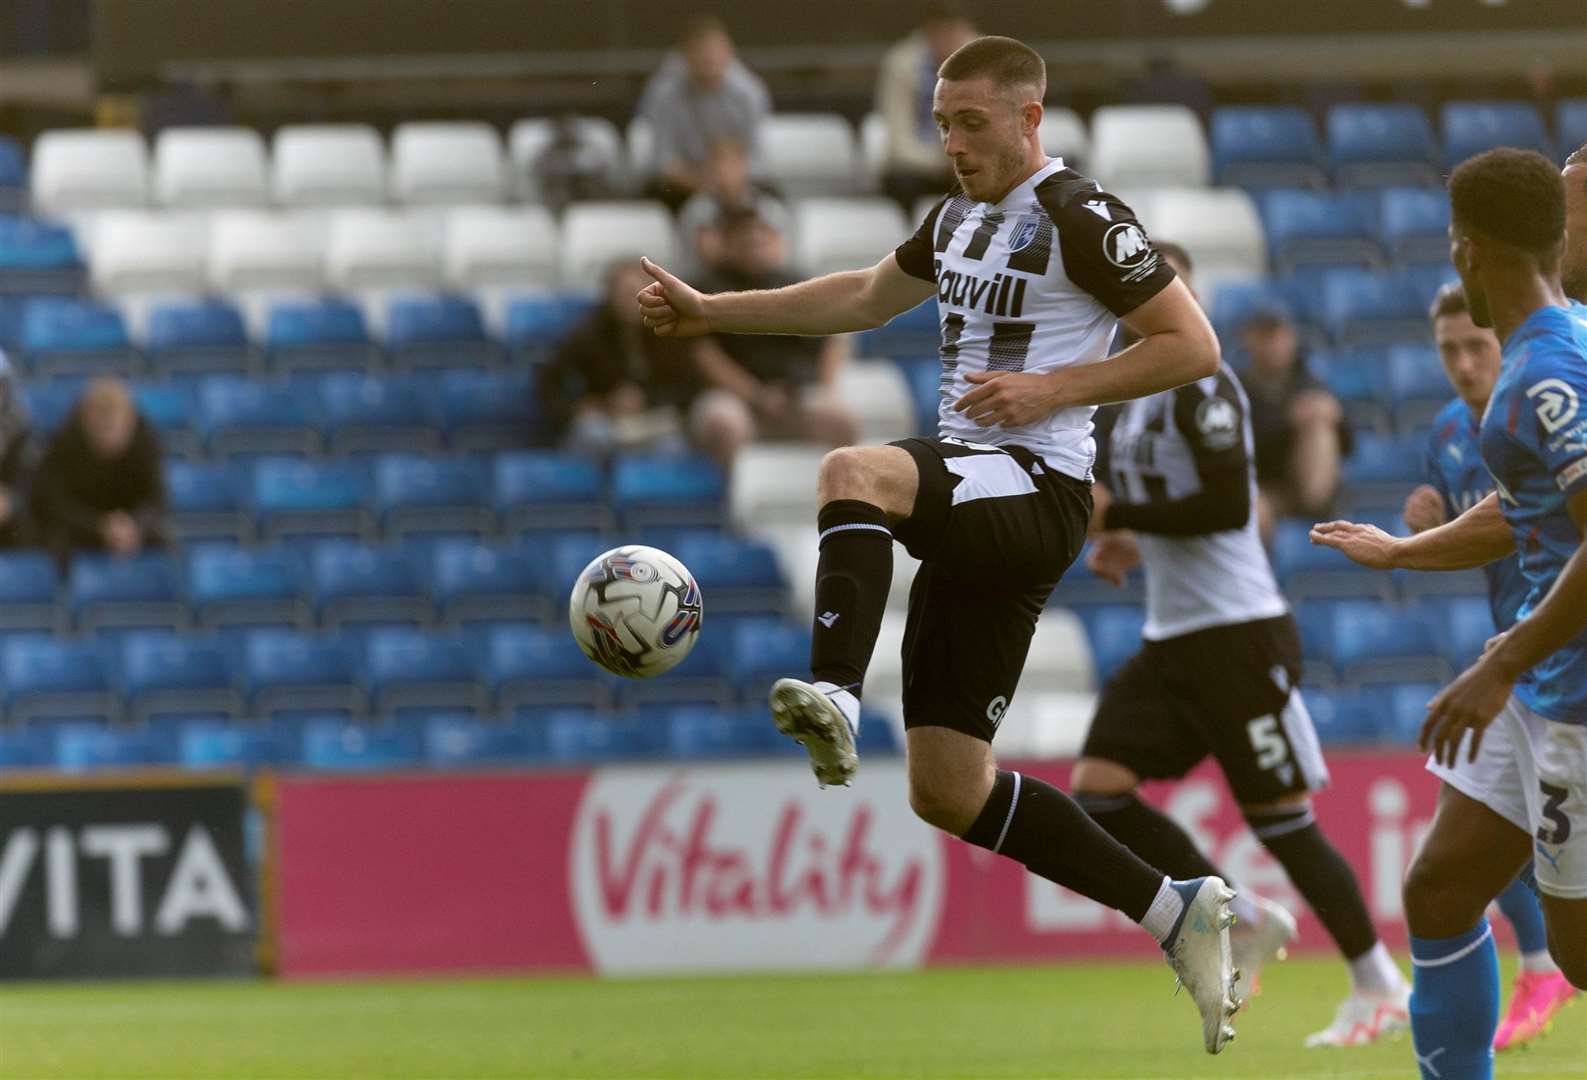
(942, 804)
(1097, 776)
(1437, 902)
(845, 474)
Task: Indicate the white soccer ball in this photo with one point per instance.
(635, 611)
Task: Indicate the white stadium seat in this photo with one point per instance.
(809, 153)
(205, 167)
(488, 246)
(641, 148)
(256, 251)
(447, 162)
(528, 138)
(329, 165)
(594, 234)
(84, 169)
(846, 234)
(1218, 226)
(879, 394)
(1063, 134)
(1149, 146)
(380, 250)
(873, 144)
(774, 484)
(145, 251)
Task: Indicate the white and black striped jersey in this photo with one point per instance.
(1182, 474)
(1034, 282)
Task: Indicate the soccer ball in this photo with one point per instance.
(635, 611)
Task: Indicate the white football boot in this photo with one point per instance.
(1256, 944)
(812, 719)
(1198, 950)
(1365, 1017)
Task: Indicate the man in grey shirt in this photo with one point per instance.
(701, 93)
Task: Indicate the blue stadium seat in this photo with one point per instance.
(231, 746)
(238, 416)
(913, 333)
(65, 336)
(1320, 228)
(169, 406)
(539, 489)
(700, 678)
(1114, 633)
(1359, 378)
(738, 574)
(1406, 704)
(359, 583)
(1570, 125)
(13, 175)
(311, 498)
(164, 673)
(695, 733)
(201, 336)
(86, 747)
(1347, 717)
(1381, 145)
(627, 738)
(323, 334)
(45, 677)
(288, 671)
(1470, 127)
(566, 556)
(1414, 223)
(924, 376)
(761, 651)
(38, 256)
(338, 747)
(1373, 641)
(1311, 570)
(1266, 146)
(452, 742)
(536, 666)
(364, 413)
(407, 670)
(536, 325)
(668, 490)
(1382, 461)
(130, 591)
(1364, 307)
(50, 403)
(1417, 384)
(245, 586)
(474, 582)
(416, 494)
(28, 586)
(486, 410)
(24, 750)
(438, 331)
(1234, 301)
(205, 500)
(1464, 623)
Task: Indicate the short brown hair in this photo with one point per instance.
(1517, 197)
(1451, 300)
(1002, 59)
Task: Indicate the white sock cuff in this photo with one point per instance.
(847, 703)
(1164, 912)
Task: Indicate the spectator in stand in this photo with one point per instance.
(915, 164)
(700, 93)
(99, 485)
(1299, 426)
(726, 185)
(16, 454)
(613, 385)
(762, 385)
(572, 167)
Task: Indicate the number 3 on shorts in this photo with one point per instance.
(1270, 747)
(1556, 830)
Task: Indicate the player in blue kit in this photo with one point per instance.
(1524, 703)
(1456, 480)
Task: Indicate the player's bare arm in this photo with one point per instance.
(1476, 538)
(1176, 346)
(831, 304)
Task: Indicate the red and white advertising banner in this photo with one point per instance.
(628, 870)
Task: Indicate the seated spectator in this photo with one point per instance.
(572, 168)
(915, 164)
(762, 385)
(700, 93)
(99, 485)
(612, 384)
(16, 456)
(1300, 429)
(726, 185)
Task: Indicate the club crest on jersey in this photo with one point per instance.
(1024, 234)
(1218, 422)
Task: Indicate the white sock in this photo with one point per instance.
(1538, 963)
(847, 703)
(1374, 971)
(1164, 912)
(1245, 908)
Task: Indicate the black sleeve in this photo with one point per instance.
(918, 255)
(1105, 249)
(1212, 423)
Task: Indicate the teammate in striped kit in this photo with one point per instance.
(1033, 266)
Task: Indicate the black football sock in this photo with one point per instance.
(853, 577)
(1320, 874)
(1149, 833)
(1038, 825)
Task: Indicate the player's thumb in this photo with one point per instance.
(657, 272)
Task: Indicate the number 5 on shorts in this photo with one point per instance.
(1553, 800)
(1270, 747)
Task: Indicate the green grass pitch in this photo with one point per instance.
(1074, 1021)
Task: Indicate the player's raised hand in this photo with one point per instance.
(670, 306)
(1112, 555)
(1424, 509)
(1366, 544)
(1006, 397)
(1470, 703)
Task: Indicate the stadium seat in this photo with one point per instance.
(1417, 384)
(163, 673)
(565, 554)
(315, 165)
(409, 670)
(1307, 570)
(455, 742)
(881, 400)
(474, 582)
(124, 591)
(1063, 134)
(1414, 223)
(45, 677)
(252, 251)
(204, 501)
(600, 147)
(571, 739)
(641, 142)
(1381, 460)
(925, 380)
(13, 176)
(294, 497)
(369, 250)
(695, 733)
(1266, 146)
(63, 336)
(485, 410)
(231, 746)
(1570, 125)
(238, 416)
(438, 331)
(487, 247)
(667, 490)
(86, 747)
(358, 583)
(761, 651)
(1365, 307)
(414, 493)
(24, 750)
(1234, 301)
(535, 666)
(332, 746)
(364, 413)
(810, 153)
(774, 485)
(1381, 145)
(89, 169)
(28, 586)
(1464, 624)
(913, 333)
(546, 489)
(1317, 227)
(1470, 127)
(38, 256)
(1114, 634)
(447, 162)
(202, 336)
(1148, 146)
(208, 167)
(833, 234)
(286, 671)
(595, 234)
(326, 334)
(1219, 227)
(535, 325)
(1347, 717)
(738, 574)
(229, 585)
(1375, 641)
